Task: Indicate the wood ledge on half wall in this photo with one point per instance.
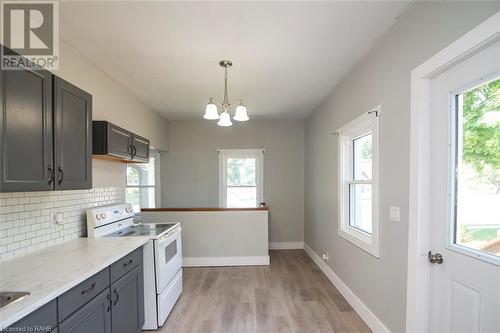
(204, 209)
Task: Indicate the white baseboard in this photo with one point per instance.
(364, 312)
(286, 245)
(224, 261)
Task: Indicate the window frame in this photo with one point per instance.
(224, 154)
(157, 185)
(367, 123)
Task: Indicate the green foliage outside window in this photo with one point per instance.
(481, 132)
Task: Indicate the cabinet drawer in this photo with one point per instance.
(44, 318)
(126, 264)
(78, 296)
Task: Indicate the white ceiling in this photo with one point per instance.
(287, 56)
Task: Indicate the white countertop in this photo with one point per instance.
(50, 272)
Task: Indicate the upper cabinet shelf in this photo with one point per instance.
(115, 143)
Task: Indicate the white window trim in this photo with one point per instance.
(258, 154)
(157, 156)
(358, 127)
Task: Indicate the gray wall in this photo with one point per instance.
(190, 168)
(383, 77)
(112, 102)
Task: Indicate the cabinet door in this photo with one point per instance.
(73, 136)
(26, 151)
(94, 317)
(127, 314)
(119, 142)
(140, 149)
(42, 319)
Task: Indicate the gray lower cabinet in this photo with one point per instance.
(93, 317)
(127, 312)
(98, 304)
(43, 318)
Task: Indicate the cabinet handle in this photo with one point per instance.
(62, 175)
(51, 176)
(135, 150)
(116, 299)
(92, 286)
(109, 299)
(125, 264)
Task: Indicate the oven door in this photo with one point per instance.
(168, 258)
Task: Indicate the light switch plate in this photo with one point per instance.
(394, 214)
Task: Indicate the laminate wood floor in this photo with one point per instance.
(290, 295)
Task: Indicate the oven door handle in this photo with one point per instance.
(171, 235)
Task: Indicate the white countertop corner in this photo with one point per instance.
(48, 273)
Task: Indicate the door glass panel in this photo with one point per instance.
(477, 178)
(360, 207)
(362, 162)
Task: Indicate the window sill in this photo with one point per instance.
(360, 239)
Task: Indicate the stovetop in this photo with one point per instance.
(142, 229)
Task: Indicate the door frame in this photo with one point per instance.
(419, 232)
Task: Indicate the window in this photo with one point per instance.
(240, 177)
(358, 181)
(476, 179)
(142, 183)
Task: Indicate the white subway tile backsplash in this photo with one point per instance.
(26, 217)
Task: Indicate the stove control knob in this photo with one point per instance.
(98, 216)
(103, 215)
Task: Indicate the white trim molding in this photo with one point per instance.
(225, 261)
(286, 245)
(419, 231)
(373, 322)
(224, 155)
(364, 125)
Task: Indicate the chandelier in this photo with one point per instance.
(211, 111)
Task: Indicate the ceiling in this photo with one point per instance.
(287, 56)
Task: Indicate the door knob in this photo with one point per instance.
(435, 258)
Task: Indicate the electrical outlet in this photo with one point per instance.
(325, 257)
(57, 219)
(394, 214)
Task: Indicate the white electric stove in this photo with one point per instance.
(162, 256)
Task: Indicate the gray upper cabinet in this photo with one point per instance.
(115, 143)
(93, 317)
(26, 146)
(73, 136)
(127, 294)
(45, 133)
(140, 148)
(119, 141)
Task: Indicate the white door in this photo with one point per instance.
(465, 208)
